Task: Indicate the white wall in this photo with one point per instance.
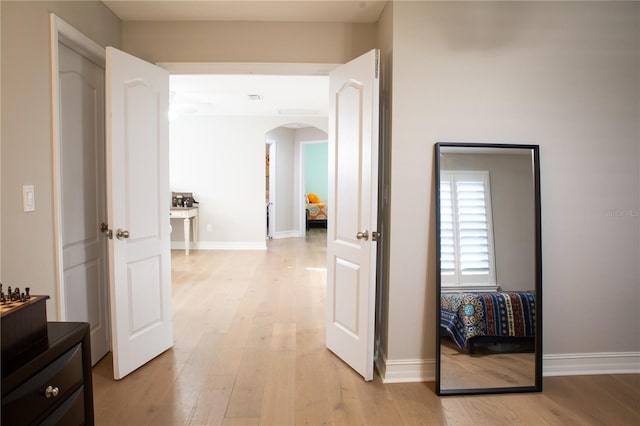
(564, 75)
(221, 160)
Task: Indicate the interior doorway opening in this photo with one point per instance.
(295, 170)
(314, 182)
(219, 127)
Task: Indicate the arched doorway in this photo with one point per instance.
(287, 183)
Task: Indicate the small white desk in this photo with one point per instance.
(188, 214)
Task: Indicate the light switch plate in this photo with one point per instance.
(28, 198)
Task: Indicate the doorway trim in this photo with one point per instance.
(272, 189)
(265, 68)
(303, 182)
(61, 31)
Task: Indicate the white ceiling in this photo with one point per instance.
(347, 11)
(230, 95)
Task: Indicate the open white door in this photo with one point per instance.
(137, 127)
(353, 198)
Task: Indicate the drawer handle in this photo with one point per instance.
(50, 391)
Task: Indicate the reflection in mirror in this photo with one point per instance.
(489, 269)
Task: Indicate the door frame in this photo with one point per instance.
(271, 204)
(263, 68)
(61, 31)
(352, 278)
(303, 167)
(286, 68)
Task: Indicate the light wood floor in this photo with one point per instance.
(249, 349)
(485, 368)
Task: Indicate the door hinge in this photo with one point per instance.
(377, 62)
(104, 228)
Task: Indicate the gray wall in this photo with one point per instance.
(564, 75)
(331, 43)
(28, 238)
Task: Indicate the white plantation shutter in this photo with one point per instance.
(465, 228)
(447, 235)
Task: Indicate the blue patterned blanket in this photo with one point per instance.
(467, 315)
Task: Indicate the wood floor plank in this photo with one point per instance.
(346, 408)
(241, 421)
(211, 403)
(417, 403)
(283, 337)
(134, 399)
(177, 405)
(248, 390)
(278, 401)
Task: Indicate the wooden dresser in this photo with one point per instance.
(51, 385)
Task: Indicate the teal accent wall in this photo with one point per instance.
(316, 169)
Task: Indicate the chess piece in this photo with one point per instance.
(27, 289)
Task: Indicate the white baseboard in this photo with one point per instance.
(286, 234)
(222, 245)
(405, 370)
(591, 363)
(423, 370)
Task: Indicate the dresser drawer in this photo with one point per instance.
(46, 390)
(69, 413)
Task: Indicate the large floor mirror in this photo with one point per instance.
(489, 272)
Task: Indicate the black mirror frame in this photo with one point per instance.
(537, 387)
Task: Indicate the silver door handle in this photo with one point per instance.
(122, 234)
(364, 235)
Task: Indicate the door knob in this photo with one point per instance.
(364, 235)
(50, 391)
(122, 234)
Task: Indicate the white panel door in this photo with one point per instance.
(82, 196)
(138, 199)
(352, 224)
